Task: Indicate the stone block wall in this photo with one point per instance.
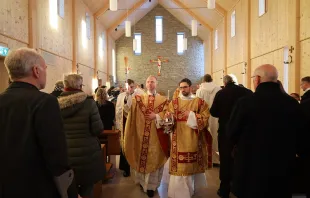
(188, 65)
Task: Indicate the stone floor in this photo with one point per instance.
(121, 187)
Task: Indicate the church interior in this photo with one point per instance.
(110, 41)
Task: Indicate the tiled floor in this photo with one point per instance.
(121, 187)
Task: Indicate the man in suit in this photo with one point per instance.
(33, 148)
(222, 106)
(305, 86)
(265, 126)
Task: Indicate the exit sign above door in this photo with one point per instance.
(4, 51)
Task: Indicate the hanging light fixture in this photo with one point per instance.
(185, 44)
(194, 28)
(134, 44)
(128, 28)
(113, 5)
(211, 4)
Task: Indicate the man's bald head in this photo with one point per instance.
(265, 73)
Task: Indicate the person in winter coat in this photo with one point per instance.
(58, 89)
(207, 92)
(82, 125)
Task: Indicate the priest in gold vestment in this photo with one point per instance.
(188, 152)
(145, 144)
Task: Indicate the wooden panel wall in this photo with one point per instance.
(238, 71)
(54, 44)
(305, 58)
(218, 77)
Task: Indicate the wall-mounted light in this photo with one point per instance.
(128, 28)
(134, 44)
(194, 28)
(185, 44)
(113, 5)
(211, 4)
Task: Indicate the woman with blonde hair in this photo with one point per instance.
(106, 109)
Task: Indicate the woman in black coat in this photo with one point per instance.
(82, 125)
(106, 109)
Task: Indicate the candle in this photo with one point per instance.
(168, 94)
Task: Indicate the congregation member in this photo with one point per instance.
(222, 106)
(82, 125)
(106, 109)
(207, 92)
(121, 117)
(189, 156)
(305, 86)
(265, 127)
(58, 89)
(145, 144)
(33, 147)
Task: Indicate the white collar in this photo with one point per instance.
(190, 97)
(307, 89)
(150, 93)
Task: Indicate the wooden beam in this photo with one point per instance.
(107, 54)
(247, 50)
(102, 10)
(200, 20)
(124, 16)
(95, 48)
(74, 38)
(32, 28)
(219, 8)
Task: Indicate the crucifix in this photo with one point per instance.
(159, 61)
(127, 68)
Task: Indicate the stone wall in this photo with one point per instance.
(189, 65)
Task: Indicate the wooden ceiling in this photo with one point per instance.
(183, 10)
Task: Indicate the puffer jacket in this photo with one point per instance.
(82, 125)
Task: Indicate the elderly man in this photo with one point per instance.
(305, 86)
(145, 144)
(121, 116)
(207, 92)
(265, 127)
(222, 106)
(33, 146)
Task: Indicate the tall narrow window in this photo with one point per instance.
(114, 65)
(159, 29)
(138, 50)
(216, 40)
(261, 7)
(180, 44)
(233, 24)
(61, 8)
(87, 20)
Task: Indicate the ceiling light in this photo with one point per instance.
(128, 28)
(194, 28)
(113, 5)
(211, 4)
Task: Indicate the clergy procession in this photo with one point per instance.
(154, 99)
(262, 136)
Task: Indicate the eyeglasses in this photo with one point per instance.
(183, 87)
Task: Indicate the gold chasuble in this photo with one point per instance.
(189, 153)
(145, 146)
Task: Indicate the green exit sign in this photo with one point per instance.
(4, 51)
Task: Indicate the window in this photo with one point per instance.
(138, 39)
(87, 20)
(113, 65)
(61, 8)
(159, 29)
(261, 7)
(216, 40)
(233, 24)
(180, 44)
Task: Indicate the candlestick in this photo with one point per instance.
(168, 94)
